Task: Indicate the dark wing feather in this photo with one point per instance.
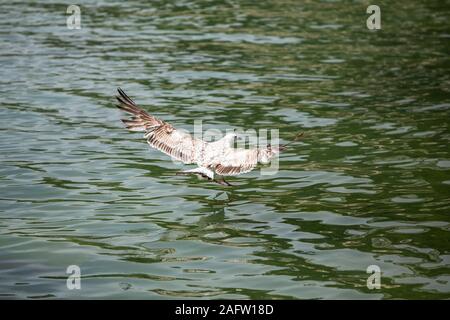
(159, 134)
(141, 120)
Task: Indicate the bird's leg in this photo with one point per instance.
(205, 173)
(225, 183)
(221, 182)
(201, 171)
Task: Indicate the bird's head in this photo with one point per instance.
(276, 150)
(232, 137)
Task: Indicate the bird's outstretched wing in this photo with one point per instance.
(159, 134)
(234, 162)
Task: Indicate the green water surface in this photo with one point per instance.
(368, 185)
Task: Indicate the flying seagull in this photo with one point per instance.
(212, 158)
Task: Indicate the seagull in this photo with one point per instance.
(218, 158)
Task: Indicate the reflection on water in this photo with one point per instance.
(367, 185)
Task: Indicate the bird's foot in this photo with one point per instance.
(223, 182)
(199, 174)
